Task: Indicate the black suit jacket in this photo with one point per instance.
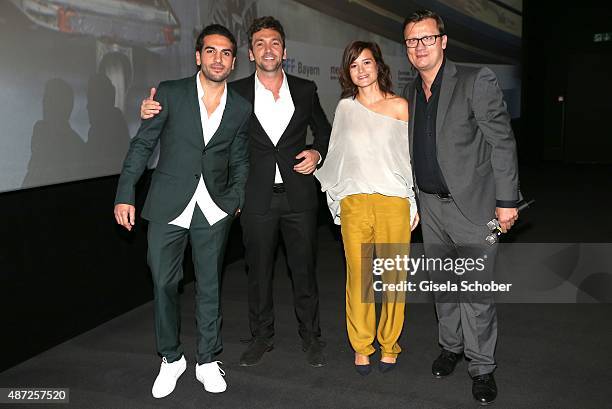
(263, 155)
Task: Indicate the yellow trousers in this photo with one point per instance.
(367, 222)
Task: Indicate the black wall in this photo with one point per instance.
(66, 267)
(561, 59)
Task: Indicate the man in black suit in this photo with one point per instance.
(281, 194)
(465, 165)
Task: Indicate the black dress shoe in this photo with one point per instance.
(385, 367)
(484, 388)
(314, 353)
(363, 370)
(254, 352)
(444, 364)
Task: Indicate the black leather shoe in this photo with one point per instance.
(444, 364)
(363, 370)
(255, 352)
(484, 388)
(385, 367)
(314, 353)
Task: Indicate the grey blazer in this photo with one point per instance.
(475, 144)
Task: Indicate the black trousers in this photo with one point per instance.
(260, 234)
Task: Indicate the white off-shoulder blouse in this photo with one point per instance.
(368, 153)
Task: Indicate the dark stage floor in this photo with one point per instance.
(550, 356)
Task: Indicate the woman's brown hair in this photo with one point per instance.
(351, 52)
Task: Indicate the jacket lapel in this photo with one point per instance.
(194, 106)
(226, 117)
(249, 95)
(295, 96)
(449, 80)
(192, 95)
(249, 92)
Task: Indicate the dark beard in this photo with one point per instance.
(215, 77)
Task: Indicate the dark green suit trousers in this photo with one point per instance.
(165, 256)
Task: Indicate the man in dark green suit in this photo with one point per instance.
(196, 190)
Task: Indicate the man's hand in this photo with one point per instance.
(309, 163)
(149, 107)
(125, 215)
(506, 217)
(415, 222)
(237, 213)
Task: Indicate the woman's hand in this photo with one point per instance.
(415, 222)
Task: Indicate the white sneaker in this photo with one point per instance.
(168, 375)
(211, 377)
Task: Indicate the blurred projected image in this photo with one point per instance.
(74, 72)
(116, 24)
(72, 69)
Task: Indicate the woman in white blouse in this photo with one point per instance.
(367, 177)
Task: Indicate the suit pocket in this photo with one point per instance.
(165, 176)
(216, 161)
(484, 168)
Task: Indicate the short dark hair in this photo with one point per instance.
(262, 23)
(351, 52)
(215, 29)
(423, 14)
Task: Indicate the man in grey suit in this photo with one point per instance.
(465, 165)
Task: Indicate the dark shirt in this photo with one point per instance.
(428, 175)
(427, 170)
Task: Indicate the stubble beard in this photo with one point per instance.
(210, 75)
(275, 68)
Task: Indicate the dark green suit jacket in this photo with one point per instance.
(223, 162)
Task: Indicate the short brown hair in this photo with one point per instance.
(215, 29)
(421, 15)
(262, 23)
(351, 52)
